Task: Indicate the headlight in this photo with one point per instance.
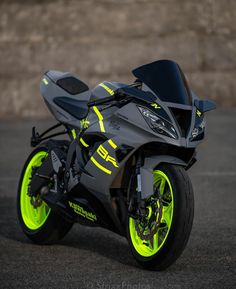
(197, 132)
(157, 123)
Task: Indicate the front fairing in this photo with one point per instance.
(175, 100)
(166, 80)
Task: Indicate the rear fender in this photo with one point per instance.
(146, 171)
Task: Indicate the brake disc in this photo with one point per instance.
(148, 226)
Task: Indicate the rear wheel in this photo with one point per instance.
(38, 222)
(158, 238)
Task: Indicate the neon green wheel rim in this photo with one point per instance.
(33, 218)
(147, 248)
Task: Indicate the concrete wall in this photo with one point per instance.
(105, 39)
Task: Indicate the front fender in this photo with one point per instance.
(146, 171)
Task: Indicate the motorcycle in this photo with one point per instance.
(123, 165)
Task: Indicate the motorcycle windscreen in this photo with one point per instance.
(166, 80)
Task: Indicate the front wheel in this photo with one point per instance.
(158, 238)
(39, 223)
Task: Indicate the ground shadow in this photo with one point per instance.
(91, 239)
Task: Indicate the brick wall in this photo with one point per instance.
(105, 39)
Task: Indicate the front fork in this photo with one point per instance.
(137, 206)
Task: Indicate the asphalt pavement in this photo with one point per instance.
(97, 258)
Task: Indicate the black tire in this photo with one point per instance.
(181, 225)
(54, 228)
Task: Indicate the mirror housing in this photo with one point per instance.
(138, 94)
(204, 105)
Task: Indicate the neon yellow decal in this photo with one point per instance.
(73, 133)
(84, 123)
(84, 143)
(105, 155)
(198, 112)
(108, 89)
(99, 115)
(45, 81)
(102, 152)
(102, 168)
(112, 144)
(112, 160)
(155, 105)
(82, 212)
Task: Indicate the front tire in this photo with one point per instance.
(41, 225)
(175, 207)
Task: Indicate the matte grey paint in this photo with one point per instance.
(52, 90)
(147, 171)
(133, 131)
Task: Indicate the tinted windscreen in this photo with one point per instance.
(166, 80)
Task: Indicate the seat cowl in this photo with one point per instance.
(67, 81)
(55, 75)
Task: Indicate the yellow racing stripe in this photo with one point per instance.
(112, 144)
(73, 132)
(99, 115)
(108, 89)
(100, 166)
(84, 143)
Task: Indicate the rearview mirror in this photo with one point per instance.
(204, 105)
(138, 94)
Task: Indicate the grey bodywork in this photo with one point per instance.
(124, 126)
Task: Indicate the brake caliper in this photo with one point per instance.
(148, 225)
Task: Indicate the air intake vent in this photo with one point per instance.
(72, 85)
(183, 118)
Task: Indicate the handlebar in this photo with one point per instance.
(118, 95)
(101, 101)
(126, 93)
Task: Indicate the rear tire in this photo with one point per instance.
(155, 255)
(41, 225)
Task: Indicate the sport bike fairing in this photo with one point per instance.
(127, 126)
(124, 165)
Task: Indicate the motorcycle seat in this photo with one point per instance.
(67, 81)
